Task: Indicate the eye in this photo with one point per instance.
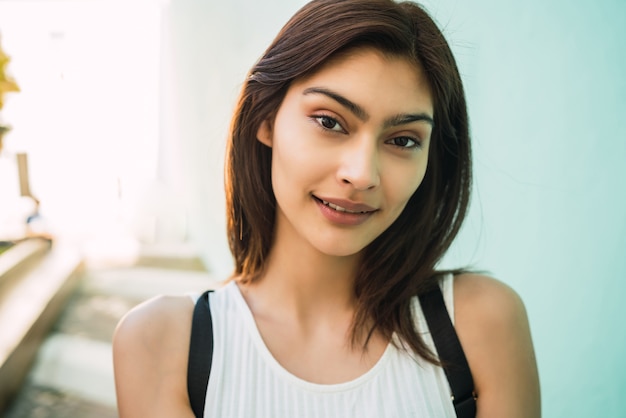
(328, 123)
(404, 142)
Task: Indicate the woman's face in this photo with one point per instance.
(349, 148)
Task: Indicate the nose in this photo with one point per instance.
(360, 165)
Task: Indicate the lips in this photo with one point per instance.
(341, 205)
(344, 212)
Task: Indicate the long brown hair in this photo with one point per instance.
(400, 263)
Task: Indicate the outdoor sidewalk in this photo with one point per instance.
(73, 374)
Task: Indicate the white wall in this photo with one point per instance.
(87, 114)
(208, 49)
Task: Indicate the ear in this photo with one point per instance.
(265, 133)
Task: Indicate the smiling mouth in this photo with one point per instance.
(340, 208)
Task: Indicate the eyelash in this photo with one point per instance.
(318, 120)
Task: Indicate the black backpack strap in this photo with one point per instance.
(200, 354)
(450, 352)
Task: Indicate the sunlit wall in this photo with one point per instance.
(87, 115)
(208, 48)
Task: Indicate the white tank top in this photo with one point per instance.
(246, 381)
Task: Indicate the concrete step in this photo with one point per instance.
(78, 348)
(66, 362)
(32, 297)
(176, 257)
(21, 256)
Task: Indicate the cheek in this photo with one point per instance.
(404, 180)
(295, 163)
(298, 151)
(286, 149)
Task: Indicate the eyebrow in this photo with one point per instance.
(359, 112)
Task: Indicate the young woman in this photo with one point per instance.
(348, 177)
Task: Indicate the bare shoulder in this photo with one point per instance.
(492, 324)
(487, 297)
(155, 318)
(150, 351)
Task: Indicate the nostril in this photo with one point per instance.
(360, 185)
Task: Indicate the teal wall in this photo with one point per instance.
(546, 85)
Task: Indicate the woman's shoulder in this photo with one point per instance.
(485, 297)
(150, 353)
(154, 319)
(492, 324)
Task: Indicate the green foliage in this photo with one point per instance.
(7, 83)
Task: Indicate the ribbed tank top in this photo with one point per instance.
(246, 381)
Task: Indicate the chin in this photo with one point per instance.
(337, 249)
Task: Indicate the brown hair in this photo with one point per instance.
(400, 263)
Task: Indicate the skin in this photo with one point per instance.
(352, 137)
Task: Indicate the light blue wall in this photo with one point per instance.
(547, 94)
(546, 84)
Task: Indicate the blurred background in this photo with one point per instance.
(123, 110)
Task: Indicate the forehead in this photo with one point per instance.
(369, 75)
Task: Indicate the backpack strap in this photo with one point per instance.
(450, 353)
(200, 354)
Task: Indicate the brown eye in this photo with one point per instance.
(328, 123)
(404, 142)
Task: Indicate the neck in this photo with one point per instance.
(299, 280)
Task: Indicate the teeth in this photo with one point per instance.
(338, 208)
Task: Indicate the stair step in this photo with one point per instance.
(20, 257)
(65, 362)
(28, 309)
